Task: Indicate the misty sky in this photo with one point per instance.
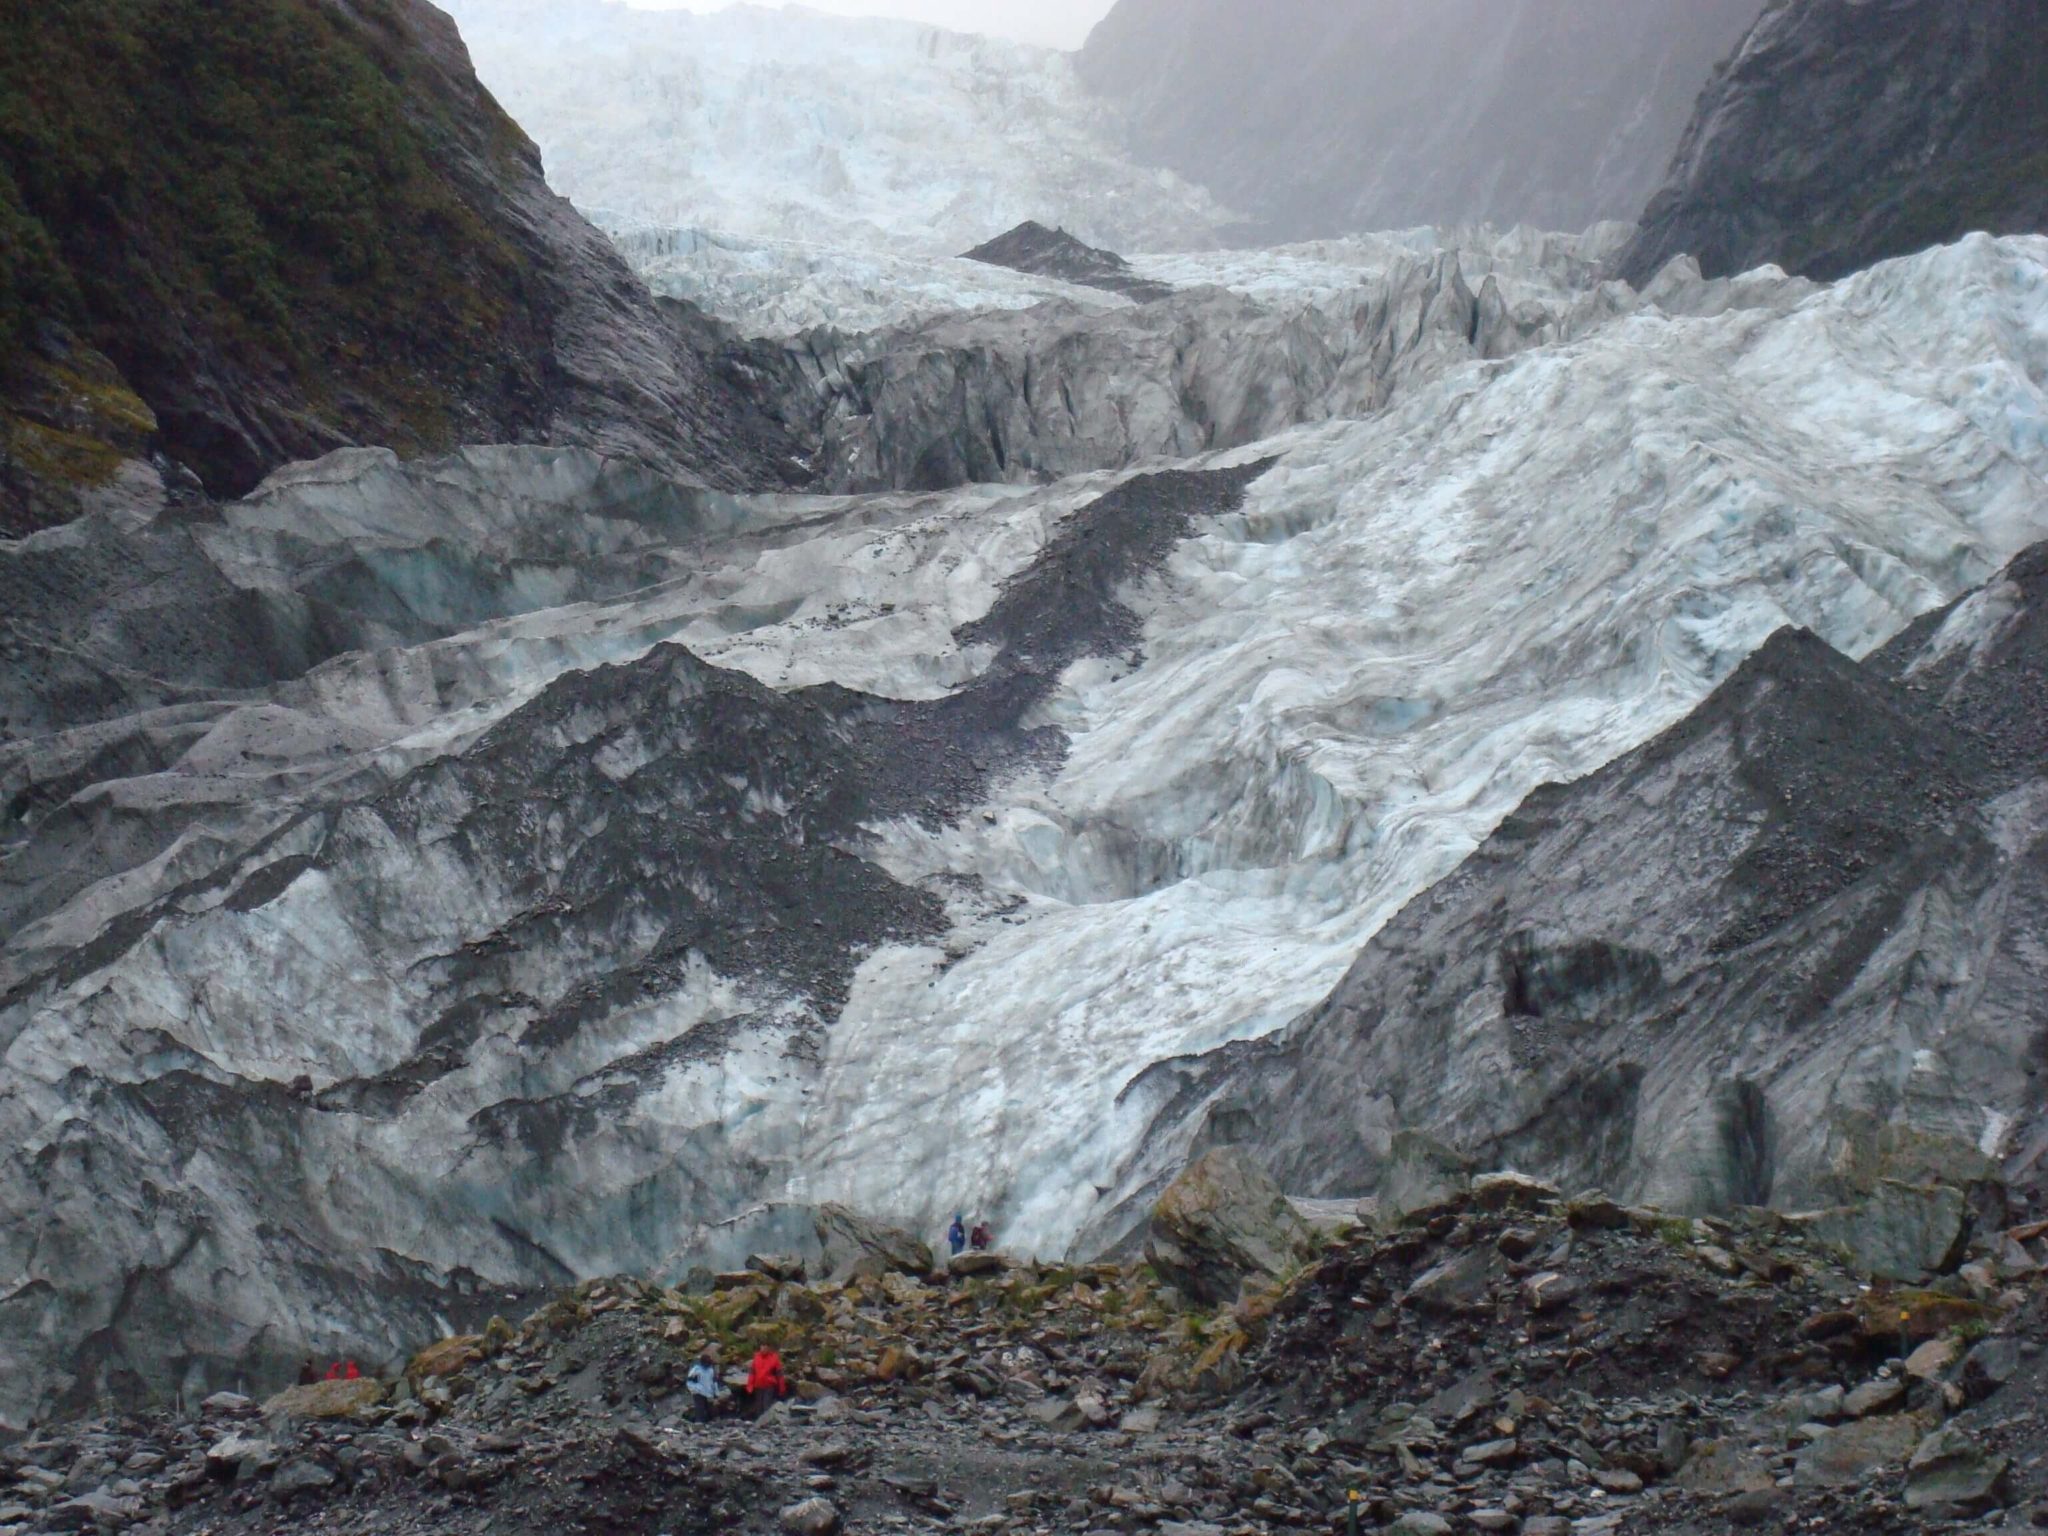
(1061, 23)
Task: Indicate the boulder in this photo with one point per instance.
(963, 1265)
(326, 1400)
(1419, 1173)
(240, 1456)
(787, 1267)
(1059, 1414)
(96, 1511)
(1989, 1366)
(448, 1357)
(1458, 1282)
(1902, 1232)
(301, 1475)
(1508, 1189)
(1843, 1458)
(1596, 1212)
(1550, 1291)
(1951, 1474)
(1222, 1222)
(1932, 1360)
(1873, 1397)
(849, 1238)
(1420, 1522)
(813, 1517)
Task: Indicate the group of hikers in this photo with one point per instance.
(959, 1238)
(341, 1370)
(710, 1396)
(767, 1384)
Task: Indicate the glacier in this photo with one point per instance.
(289, 1066)
(863, 134)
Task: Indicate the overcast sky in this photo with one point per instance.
(1061, 23)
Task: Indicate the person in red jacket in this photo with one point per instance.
(351, 1374)
(765, 1381)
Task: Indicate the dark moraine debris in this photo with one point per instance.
(539, 910)
(1042, 252)
(1625, 985)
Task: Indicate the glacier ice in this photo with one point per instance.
(865, 134)
(1523, 567)
(783, 287)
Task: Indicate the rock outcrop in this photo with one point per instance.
(1033, 248)
(852, 1243)
(1847, 131)
(1316, 119)
(1684, 977)
(1221, 1223)
(377, 261)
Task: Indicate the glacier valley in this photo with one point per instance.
(415, 894)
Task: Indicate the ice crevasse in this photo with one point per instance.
(1509, 579)
(1342, 684)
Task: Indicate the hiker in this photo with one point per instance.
(308, 1373)
(334, 1371)
(765, 1381)
(351, 1373)
(980, 1239)
(956, 1234)
(705, 1388)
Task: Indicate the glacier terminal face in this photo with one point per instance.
(427, 881)
(863, 134)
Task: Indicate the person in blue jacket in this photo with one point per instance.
(705, 1388)
(956, 1234)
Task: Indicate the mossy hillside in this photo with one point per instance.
(287, 187)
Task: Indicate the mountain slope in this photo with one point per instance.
(248, 232)
(1318, 119)
(1847, 131)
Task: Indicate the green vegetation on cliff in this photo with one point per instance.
(287, 200)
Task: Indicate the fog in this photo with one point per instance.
(1058, 23)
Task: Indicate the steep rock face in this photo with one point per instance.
(1782, 953)
(242, 234)
(1318, 119)
(1847, 131)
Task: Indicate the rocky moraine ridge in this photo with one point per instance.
(1488, 1356)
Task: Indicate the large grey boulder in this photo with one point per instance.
(1953, 1474)
(1222, 1222)
(1845, 1457)
(1421, 1172)
(1902, 1232)
(852, 1242)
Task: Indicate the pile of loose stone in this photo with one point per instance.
(1512, 1361)
(1500, 1360)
